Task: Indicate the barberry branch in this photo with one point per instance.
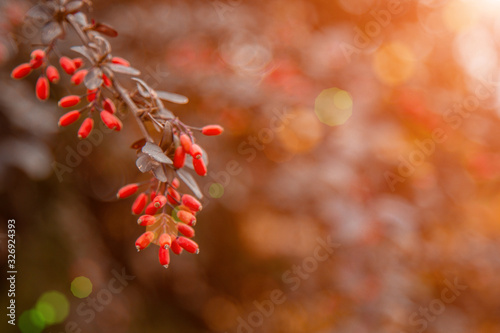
(169, 216)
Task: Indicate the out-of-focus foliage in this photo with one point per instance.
(405, 187)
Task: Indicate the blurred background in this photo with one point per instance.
(355, 188)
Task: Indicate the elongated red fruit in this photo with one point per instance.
(159, 201)
(188, 244)
(110, 121)
(21, 71)
(38, 54)
(200, 167)
(146, 220)
(185, 142)
(69, 101)
(179, 157)
(175, 183)
(190, 202)
(91, 94)
(106, 80)
(52, 74)
(175, 247)
(173, 196)
(211, 130)
(164, 257)
(144, 240)
(69, 118)
(108, 105)
(37, 57)
(127, 190)
(67, 65)
(186, 217)
(78, 77)
(164, 240)
(195, 151)
(151, 209)
(139, 203)
(86, 128)
(185, 230)
(120, 61)
(42, 88)
(78, 62)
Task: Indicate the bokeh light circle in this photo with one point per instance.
(81, 286)
(333, 106)
(216, 190)
(53, 306)
(31, 321)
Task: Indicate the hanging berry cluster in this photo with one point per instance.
(168, 145)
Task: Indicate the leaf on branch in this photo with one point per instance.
(167, 137)
(144, 163)
(159, 173)
(93, 79)
(138, 144)
(156, 153)
(40, 13)
(83, 51)
(190, 182)
(164, 113)
(123, 69)
(103, 44)
(81, 19)
(172, 97)
(73, 6)
(105, 29)
(51, 31)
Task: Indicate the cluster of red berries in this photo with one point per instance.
(171, 230)
(169, 216)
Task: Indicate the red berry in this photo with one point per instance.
(69, 101)
(35, 63)
(146, 220)
(175, 247)
(127, 190)
(139, 203)
(144, 240)
(120, 61)
(38, 54)
(211, 130)
(52, 74)
(175, 183)
(164, 240)
(111, 121)
(164, 257)
(188, 244)
(42, 88)
(21, 71)
(69, 118)
(199, 167)
(78, 62)
(159, 201)
(185, 230)
(186, 217)
(78, 77)
(91, 94)
(190, 202)
(108, 105)
(151, 209)
(186, 142)
(195, 151)
(67, 65)
(86, 128)
(173, 196)
(107, 82)
(179, 157)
